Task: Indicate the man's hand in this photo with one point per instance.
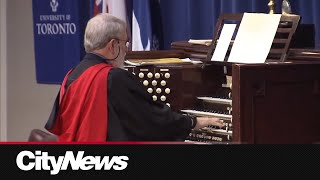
(206, 121)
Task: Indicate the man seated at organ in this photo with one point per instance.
(100, 101)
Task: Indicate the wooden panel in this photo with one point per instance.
(276, 103)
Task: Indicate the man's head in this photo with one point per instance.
(107, 36)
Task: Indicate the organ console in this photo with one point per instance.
(266, 103)
(259, 103)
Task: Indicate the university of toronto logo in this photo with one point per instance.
(54, 5)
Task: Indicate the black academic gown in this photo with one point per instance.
(132, 114)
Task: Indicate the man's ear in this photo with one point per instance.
(111, 46)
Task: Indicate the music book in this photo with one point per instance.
(254, 38)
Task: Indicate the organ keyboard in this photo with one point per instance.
(219, 105)
(216, 100)
(203, 112)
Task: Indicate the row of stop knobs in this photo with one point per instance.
(156, 75)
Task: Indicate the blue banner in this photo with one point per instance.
(58, 27)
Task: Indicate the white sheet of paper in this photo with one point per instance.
(224, 42)
(254, 38)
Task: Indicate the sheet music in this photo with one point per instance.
(223, 42)
(254, 38)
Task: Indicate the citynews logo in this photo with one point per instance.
(27, 160)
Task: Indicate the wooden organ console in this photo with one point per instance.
(259, 103)
(267, 103)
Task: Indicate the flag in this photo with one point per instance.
(118, 9)
(141, 26)
(97, 7)
(114, 7)
(146, 25)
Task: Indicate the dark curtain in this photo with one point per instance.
(195, 19)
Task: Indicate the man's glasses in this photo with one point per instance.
(127, 43)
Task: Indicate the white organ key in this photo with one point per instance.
(216, 100)
(202, 113)
(218, 131)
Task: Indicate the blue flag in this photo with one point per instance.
(58, 37)
(146, 25)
